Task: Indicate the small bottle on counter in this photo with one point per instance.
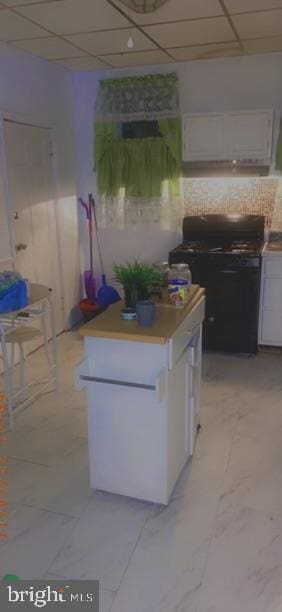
(179, 283)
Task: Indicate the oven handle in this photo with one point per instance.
(229, 271)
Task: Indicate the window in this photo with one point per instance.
(140, 129)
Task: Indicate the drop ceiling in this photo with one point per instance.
(93, 34)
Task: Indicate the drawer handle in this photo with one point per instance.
(159, 387)
(119, 383)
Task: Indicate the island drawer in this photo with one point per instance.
(185, 332)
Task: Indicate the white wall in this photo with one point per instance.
(35, 91)
(205, 86)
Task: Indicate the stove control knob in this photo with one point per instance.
(243, 262)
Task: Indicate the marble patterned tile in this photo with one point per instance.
(244, 569)
(35, 537)
(106, 600)
(63, 488)
(24, 478)
(46, 447)
(65, 408)
(169, 560)
(253, 475)
(103, 540)
(216, 547)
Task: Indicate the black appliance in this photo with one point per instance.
(224, 255)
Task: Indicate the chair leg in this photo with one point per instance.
(8, 384)
(22, 358)
(54, 344)
(45, 336)
(12, 360)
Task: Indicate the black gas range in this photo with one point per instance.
(224, 254)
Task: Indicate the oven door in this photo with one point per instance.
(232, 306)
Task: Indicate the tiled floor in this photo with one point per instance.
(217, 547)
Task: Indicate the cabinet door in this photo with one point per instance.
(248, 135)
(202, 137)
(271, 327)
(194, 388)
(272, 294)
(177, 419)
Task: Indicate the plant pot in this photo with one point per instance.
(130, 297)
(133, 294)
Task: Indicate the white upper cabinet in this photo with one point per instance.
(202, 137)
(227, 136)
(248, 135)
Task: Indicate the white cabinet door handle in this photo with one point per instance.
(161, 385)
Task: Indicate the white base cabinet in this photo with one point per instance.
(143, 412)
(270, 325)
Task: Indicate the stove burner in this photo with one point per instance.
(236, 247)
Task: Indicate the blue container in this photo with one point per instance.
(14, 298)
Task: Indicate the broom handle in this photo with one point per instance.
(93, 205)
(88, 210)
(91, 241)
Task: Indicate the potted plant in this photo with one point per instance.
(137, 279)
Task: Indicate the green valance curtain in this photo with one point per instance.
(139, 166)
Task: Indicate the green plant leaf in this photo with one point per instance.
(139, 275)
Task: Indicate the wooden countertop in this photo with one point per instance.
(110, 324)
(272, 248)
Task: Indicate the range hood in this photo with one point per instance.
(224, 168)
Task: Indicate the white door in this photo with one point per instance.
(31, 192)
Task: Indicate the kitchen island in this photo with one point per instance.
(143, 397)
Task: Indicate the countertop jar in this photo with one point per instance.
(163, 269)
(179, 282)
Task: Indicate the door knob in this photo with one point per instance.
(21, 246)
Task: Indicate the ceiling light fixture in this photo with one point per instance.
(130, 42)
(143, 6)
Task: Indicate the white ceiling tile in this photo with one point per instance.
(82, 63)
(245, 6)
(115, 41)
(206, 51)
(15, 27)
(191, 32)
(137, 59)
(49, 48)
(72, 16)
(177, 10)
(14, 3)
(259, 25)
(263, 45)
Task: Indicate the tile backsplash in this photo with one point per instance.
(255, 195)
